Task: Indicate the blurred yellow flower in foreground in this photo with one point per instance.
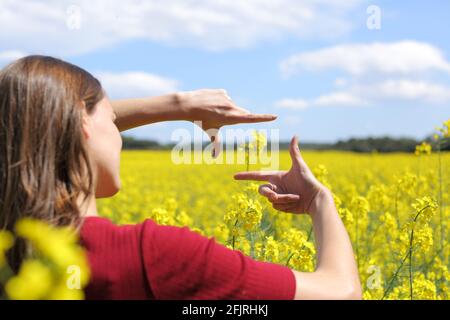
(56, 268)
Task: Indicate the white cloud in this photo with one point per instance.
(405, 89)
(378, 73)
(118, 84)
(135, 84)
(72, 27)
(360, 95)
(334, 99)
(401, 58)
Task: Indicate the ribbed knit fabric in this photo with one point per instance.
(150, 261)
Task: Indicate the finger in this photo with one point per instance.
(284, 207)
(252, 118)
(216, 146)
(267, 190)
(294, 151)
(286, 198)
(255, 175)
(215, 139)
(270, 192)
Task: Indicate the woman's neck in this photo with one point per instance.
(88, 208)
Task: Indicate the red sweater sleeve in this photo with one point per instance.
(182, 264)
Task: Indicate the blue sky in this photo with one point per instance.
(315, 64)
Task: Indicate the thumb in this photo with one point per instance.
(294, 151)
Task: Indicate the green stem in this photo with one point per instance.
(289, 258)
(395, 275)
(441, 217)
(411, 239)
(309, 233)
(234, 237)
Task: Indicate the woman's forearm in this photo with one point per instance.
(336, 275)
(333, 243)
(133, 113)
(208, 108)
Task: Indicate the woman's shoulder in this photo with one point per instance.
(101, 228)
(114, 253)
(103, 232)
(95, 227)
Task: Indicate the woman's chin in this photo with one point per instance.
(108, 190)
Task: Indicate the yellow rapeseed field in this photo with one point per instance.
(395, 207)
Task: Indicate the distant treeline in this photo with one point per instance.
(381, 144)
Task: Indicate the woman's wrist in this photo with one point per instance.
(321, 202)
(183, 106)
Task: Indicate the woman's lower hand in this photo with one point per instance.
(213, 108)
(289, 191)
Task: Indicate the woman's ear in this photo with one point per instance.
(86, 124)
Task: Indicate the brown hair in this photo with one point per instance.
(44, 164)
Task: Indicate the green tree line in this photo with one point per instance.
(363, 145)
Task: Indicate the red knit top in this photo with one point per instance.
(151, 261)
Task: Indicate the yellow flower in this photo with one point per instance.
(272, 250)
(346, 216)
(321, 173)
(57, 244)
(302, 252)
(423, 238)
(423, 148)
(62, 292)
(389, 221)
(423, 288)
(360, 205)
(34, 281)
(447, 128)
(378, 196)
(244, 211)
(259, 141)
(60, 250)
(424, 207)
(407, 183)
(161, 216)
(183, 219)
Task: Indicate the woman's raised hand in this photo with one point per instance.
(289, 191)
(213, 108)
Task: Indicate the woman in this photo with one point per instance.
(60, 149)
